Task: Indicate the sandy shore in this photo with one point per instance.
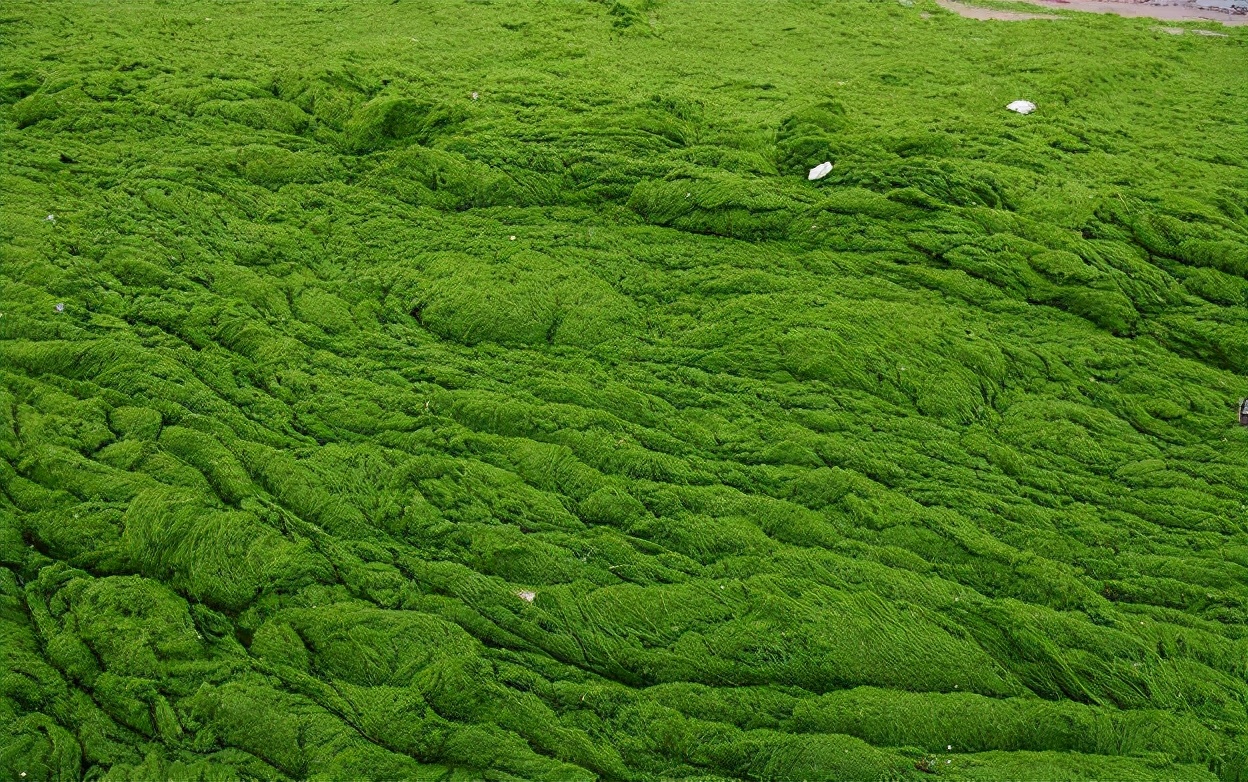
(976, 12)
(1177, 11)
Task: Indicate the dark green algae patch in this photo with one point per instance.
(569, 432)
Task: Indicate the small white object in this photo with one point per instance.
(820, 171)
(474, 96)
(949, 746)
(1022, 106)
(50, 218)
(526, 595)
(513, 238)
(59, 307)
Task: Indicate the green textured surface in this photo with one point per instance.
(927, 468)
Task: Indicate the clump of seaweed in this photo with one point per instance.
(351, 427)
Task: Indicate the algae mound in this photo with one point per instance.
(463, 390)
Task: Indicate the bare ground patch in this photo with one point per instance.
(977, 12)
(1173, 12)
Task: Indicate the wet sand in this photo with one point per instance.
(975, 12)
(1174, 11)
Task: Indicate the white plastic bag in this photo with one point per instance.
(1022, 106)
(820, 171)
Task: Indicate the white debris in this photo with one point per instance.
(820, 171)
(513, 238)
(59, 307)
(474, 96)
(50, 218)
(526, 595)
(1022, 106)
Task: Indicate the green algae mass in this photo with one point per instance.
(476, 389)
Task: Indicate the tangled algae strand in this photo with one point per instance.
(482, 390)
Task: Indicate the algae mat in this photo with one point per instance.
(357, 427)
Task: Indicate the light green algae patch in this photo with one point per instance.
(469, 390)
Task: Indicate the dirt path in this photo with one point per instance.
(975, 12)
(1174, 11)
